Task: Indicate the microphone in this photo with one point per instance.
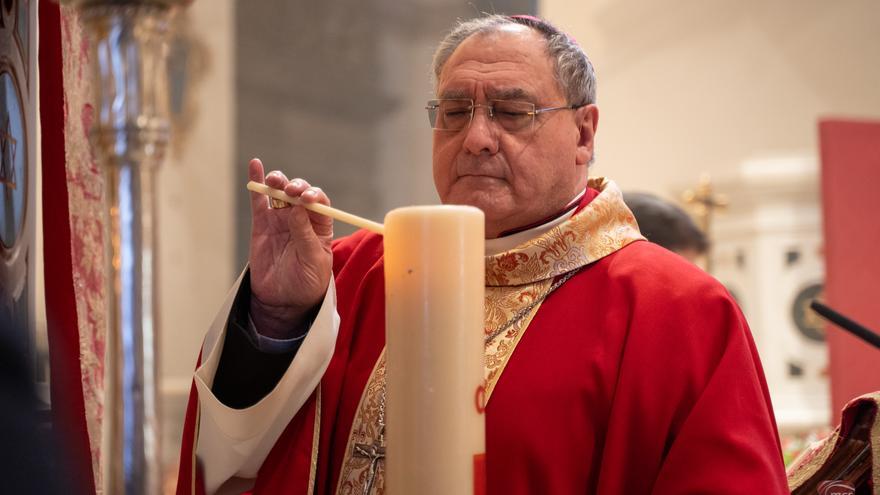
(845, 323)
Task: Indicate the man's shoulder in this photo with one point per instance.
(669, 299)
(657, 272)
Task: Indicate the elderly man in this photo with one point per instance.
(612, 366)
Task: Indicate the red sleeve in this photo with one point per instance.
(727, 441)
(692, 412)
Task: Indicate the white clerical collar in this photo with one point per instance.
(508, 242)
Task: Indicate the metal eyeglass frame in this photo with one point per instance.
(434, 105)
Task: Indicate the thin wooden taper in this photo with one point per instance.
(325, 210)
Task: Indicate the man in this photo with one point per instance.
(664, 223)
(635, 372)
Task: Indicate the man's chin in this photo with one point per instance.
(484, 200)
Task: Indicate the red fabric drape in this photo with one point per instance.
(61, 317)
(850, 175)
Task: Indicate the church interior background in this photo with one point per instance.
(334, 92)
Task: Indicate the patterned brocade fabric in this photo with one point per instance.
(602, 227)
(86, 208)
(514, 280)
(809, 469)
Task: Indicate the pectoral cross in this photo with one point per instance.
(375, 452)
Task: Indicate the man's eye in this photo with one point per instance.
(455, 113)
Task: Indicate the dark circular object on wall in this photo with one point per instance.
(808, 323)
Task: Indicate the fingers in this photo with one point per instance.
(276, 180)
(302, 219)
(307, 193)
(323, 225)
(255, 170)
(299, 219)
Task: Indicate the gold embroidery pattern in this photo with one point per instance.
(502, 304)
(601, 228)
(514, 279)
(365, 430)
(806, 465)
(517, 277)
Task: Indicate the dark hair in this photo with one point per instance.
(664, 223)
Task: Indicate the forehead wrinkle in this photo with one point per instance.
(483, 67)
(500, 85)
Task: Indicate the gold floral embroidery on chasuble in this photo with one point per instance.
(365, 431)
(515, 279)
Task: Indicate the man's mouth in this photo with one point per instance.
(479, 176)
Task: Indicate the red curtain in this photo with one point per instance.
(851, 203)
(61, 315)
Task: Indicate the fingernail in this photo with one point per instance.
(310, 193)
(296, 183)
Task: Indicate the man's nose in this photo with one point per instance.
(481, 136)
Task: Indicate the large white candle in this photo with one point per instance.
(434, 289)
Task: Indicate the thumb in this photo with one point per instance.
(259, 202)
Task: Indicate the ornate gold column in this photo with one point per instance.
(128, 42)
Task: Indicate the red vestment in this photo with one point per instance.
(638, 375)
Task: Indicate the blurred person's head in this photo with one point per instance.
(666, 224)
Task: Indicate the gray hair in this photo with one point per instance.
(574, 72)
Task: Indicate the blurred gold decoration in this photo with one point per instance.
(703, 201)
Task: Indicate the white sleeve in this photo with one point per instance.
(235, 442)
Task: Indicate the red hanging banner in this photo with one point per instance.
(851, 204)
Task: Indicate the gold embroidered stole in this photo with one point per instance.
(514, 279)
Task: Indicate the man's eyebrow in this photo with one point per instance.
(510, 94)
(495, 94)
(455, 93)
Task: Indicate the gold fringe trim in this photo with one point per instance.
(316, 434)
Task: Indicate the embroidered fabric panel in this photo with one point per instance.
(364, 430)
(86, 207)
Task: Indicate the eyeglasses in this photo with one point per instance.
(454, 114)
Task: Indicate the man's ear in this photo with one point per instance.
(587, 121)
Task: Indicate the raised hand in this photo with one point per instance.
(290, 257)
